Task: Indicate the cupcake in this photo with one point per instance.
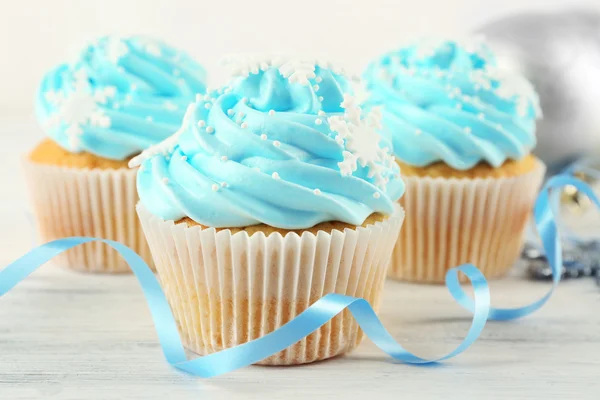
(462, 131)
(120, 96)
(276, 191)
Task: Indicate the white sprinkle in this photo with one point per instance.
(230, 112)
(116, 106)
(318, 121)
(418, 132)
(239, 121)
(257, 169)
(201, 123)
(206, 97)
(207, 105)
(317, 192)
(223, 158)
(149, 118)
(318, 79)
(244, 100)
(459, 106)
(321, 113)
(165, 180)
(210, 129)
(263, 136)
(467, 130)
(457, 91)
(224, 184)
(277, 143)
(376, 195)
(183, 158)
(133, 86)
(320, 98)
(244, 125)
(271, 112)
(198, 97)
(316, 87)
(241, 114)
(481, 116)
(176, 72)
(215, 187)
(275, 175)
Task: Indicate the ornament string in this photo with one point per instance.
(321, 311)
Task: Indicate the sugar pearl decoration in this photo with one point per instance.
(183, 158)
(210, 129)
(418, 132)
(224, 184)
(317, 192)
(318, 79)
(271, 112)
(316, 87)
(215, 187)
(467, 130)
(201, 123)
(207, 105)
(320, 98)
(165, 180)
(223, 158)
(230, 112)
(481, 116)
(244, 125)
(376, 195)
(275, 175)
(321, 113)
(318, 121)
(263, 136)
(277, 143)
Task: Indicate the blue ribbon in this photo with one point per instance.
(321, 311)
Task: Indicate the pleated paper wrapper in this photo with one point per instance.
(450, 222)
(83, 202)
(227, 289)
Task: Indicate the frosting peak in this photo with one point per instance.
(284, 144)
(448, 101)
(119, 96)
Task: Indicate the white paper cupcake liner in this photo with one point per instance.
(227, 289)
(455, 221)
(83, 202)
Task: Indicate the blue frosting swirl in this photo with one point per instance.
(448, 101)
(120, 96)
(283, 145)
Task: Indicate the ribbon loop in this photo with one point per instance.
(321, 311)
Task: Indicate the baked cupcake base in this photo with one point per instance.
(70, 199)
(228, 288)
(477, 217)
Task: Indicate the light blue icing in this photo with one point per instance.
(448, 101)
(262, 150)
(120, 96)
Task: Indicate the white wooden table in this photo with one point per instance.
(65, 335)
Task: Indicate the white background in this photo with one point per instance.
(36, 34)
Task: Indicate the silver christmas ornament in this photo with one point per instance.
(560, 54)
